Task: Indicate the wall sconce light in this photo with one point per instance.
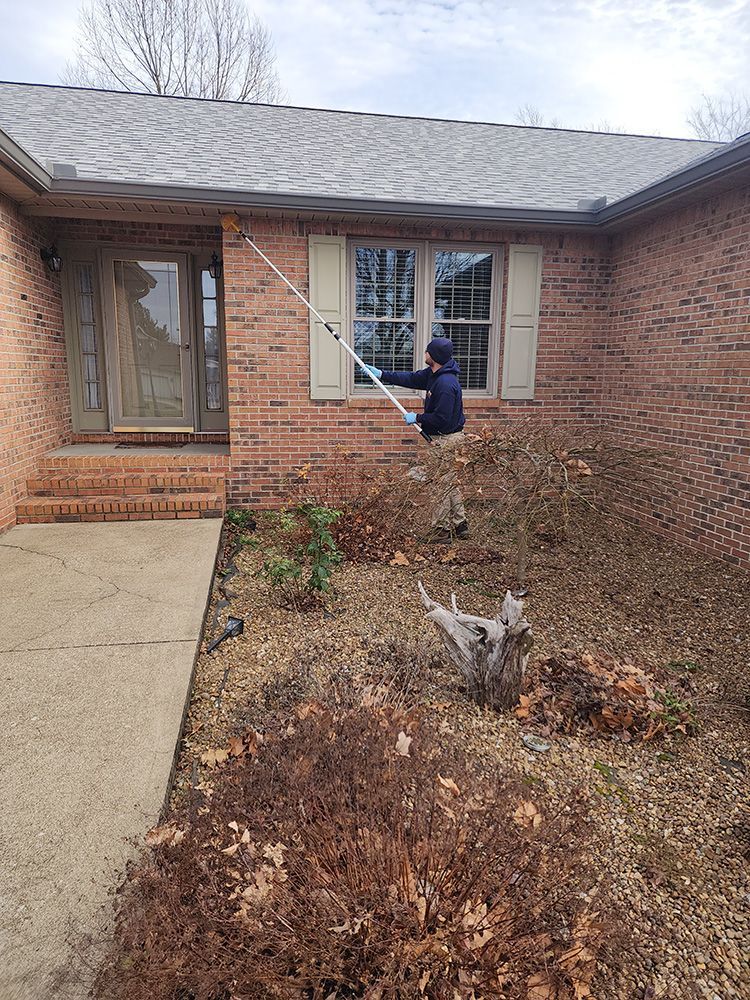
(216, 267)
(51, 258)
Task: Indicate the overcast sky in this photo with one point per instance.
(637, 64)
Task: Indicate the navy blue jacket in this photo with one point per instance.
(443, 406)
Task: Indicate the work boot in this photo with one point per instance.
(440, 536)
(462, 529)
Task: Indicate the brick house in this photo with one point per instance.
(604, 278)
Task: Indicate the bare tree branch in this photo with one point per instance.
(190, 48)
(606, 126)
(720, 119)
(529, 114)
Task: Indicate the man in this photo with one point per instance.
(443, 420)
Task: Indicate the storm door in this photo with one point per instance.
(148, 320)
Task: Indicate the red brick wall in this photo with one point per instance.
(34, 394)
(274, 425)
(646, 332)
(145, 234)
(677, 373)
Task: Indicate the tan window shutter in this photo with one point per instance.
(522, 322)
(328, 295)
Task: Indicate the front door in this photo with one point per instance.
(148, 309)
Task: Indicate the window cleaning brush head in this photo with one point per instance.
(230, 223)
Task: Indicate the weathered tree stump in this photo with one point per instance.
(491, 653)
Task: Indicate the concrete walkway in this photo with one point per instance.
(99, 625)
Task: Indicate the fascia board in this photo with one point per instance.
(231, 198)
(14, 158)
(704, 170)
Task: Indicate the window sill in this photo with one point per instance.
(415, 402)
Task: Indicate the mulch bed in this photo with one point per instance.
(674, 802)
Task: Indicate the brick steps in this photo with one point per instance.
(117, 483)
(125, 507)
(101, 484)
(131, 461)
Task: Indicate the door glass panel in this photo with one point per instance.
(84, 287)
(149, 341)
(211, 343)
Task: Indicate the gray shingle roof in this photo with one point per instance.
(143, 139)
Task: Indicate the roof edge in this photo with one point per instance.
(692, 175)
(239, 199)
(23, 166)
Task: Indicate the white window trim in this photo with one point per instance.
(424, 304)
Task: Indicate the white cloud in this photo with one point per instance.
(639, 65)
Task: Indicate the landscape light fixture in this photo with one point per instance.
(235, 627)
(216, 267)
(51, 258)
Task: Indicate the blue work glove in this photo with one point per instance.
(374, 371)
(410, 418)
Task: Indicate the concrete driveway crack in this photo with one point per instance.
(101, 645)
(117, 589)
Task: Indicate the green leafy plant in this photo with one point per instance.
(678, 714)
(240, 517)
(682, 667)
(300, 563)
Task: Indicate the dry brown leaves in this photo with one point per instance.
(574, 692)
(345, 853)
(167, 836)
(237, 746)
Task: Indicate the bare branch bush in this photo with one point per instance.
(190, 48)
(352, 854)
(383, 508)
(720, 119)
(544, 478)
(391, 670)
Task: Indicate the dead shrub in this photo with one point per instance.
(544, 478)
(599, 695)
(346, 856)
(392, 670)
(382, 508)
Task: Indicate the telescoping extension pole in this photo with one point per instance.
(231, 224)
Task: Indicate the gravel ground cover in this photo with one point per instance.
(676, 812)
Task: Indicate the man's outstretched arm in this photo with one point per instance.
(408, 380)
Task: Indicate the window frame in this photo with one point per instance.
(419, 283)
(424, 305)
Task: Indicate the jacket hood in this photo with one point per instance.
(450, 367)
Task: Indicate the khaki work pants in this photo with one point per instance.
(438, 468)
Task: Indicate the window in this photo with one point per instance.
(87, 333)
(211, 342)
(462, 310)
(384, 308)
(405, 294)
